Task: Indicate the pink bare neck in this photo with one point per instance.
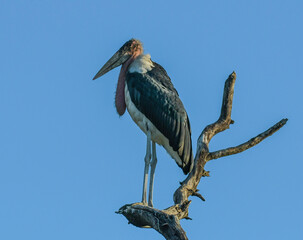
(120, 95)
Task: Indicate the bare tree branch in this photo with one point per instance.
(190, 184)
(166, 222)
(252, 142)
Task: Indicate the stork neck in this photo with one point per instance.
(142, 64)
(120, 95)
(129, 61)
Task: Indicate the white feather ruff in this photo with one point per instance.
(141, 64)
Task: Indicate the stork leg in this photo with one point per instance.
(146, 168)
(153, 164)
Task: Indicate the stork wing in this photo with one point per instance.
(155, 96)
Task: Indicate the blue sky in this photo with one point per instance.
(68, 162)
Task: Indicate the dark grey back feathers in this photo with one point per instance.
(155, 96)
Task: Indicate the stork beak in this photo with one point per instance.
(116, 60)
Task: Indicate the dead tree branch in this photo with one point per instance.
(244, 146)
(166, 222)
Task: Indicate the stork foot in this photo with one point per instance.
(150, 204)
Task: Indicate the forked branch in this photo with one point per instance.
(166, 222)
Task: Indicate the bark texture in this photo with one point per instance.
(166, 221)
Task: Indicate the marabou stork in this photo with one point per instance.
(145, 89)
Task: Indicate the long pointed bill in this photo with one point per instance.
(116, 60)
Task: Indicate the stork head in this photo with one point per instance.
(130, 50)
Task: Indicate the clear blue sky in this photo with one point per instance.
(68, 162)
